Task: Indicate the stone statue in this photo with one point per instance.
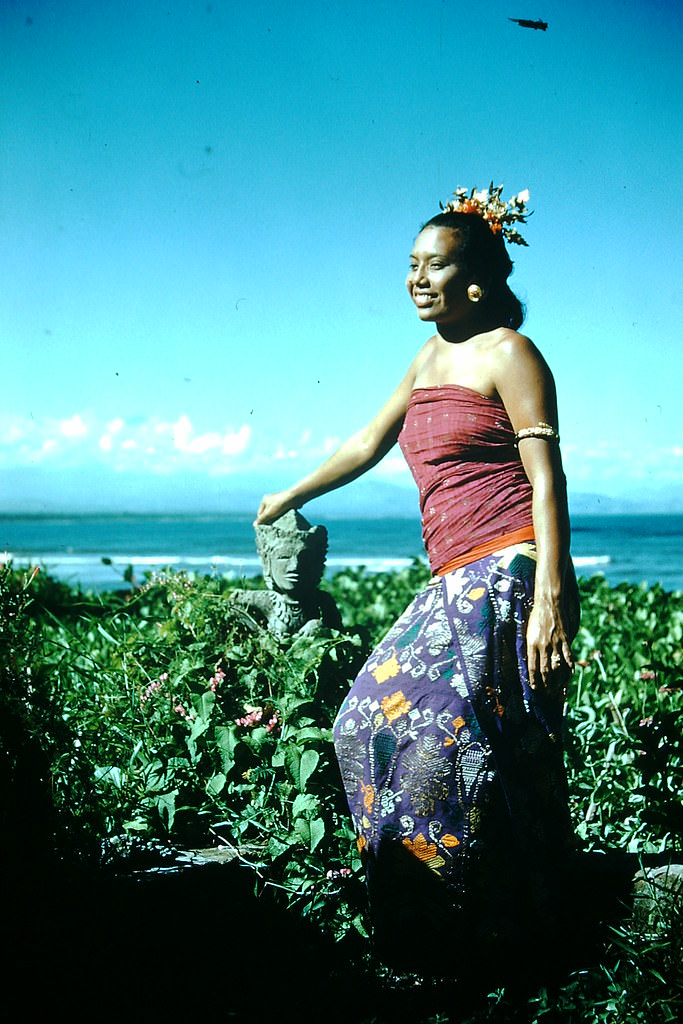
(292, 554)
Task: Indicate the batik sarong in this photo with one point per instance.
(453, 766)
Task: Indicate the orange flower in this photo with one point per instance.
(368, 797)
(499, 214)
(387, 670)
(459, 723)
(449, 840)
(420, 847)
(361, 843)
(395, 705)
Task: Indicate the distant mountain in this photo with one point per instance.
(654, 501)
(35, 491)
(598, 505)
(41, 492)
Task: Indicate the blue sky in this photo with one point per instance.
(206, 211)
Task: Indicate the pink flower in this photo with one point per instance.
(340, 873)
(152, 688)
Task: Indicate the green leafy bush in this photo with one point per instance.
(169, 716)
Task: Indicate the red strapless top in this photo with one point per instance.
(475, 497)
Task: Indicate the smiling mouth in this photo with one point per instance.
(423, 299)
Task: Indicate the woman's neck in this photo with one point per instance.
(456, 334)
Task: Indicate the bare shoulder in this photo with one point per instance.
(389, 419)
(510, 352)
(504, 343)
(522, 378)
(425, 353)
(422, 360)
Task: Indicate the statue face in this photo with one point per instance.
(294, 571)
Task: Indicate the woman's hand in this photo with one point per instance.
(549, 655)
(273, 506)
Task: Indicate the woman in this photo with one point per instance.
(449, 739)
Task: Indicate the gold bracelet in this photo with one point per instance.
(542, 430)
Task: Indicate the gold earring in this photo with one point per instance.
(474, 293)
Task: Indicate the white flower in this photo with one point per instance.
(523, 196)
(482, 196)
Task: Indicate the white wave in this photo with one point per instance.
(377, 564)
(591, 560)
(67, 560)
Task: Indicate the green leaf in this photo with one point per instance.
(302, 827)
(227, 741)
(109, 774)
(204, 705)
(309, 763)
(276, 847)
(317, 832)
(278, 758)
(293, 763)
(305, 802)
(165, 804)
(107, 636)
(138, 824)
(359, 926)
(312, 733)
(216, 783)
(199, 726)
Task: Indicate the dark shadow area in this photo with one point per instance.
(157, 942)
(200, 938)
(85, 939)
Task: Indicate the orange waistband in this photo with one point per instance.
(489, 548)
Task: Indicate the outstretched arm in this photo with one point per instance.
(354, 457)
(526, 386)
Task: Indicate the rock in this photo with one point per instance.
(292, 554)
(657, 893)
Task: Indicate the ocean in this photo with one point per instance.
(623, 548)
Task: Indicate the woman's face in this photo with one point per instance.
(436, 282)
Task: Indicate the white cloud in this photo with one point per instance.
(182, 432)
(136, 445)
(73, 427)
(238, 442)
(394, 467)
(281, 453)
(155, 445)
(11, 433)
(230, 443)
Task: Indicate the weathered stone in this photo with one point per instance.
(292, 554)
(657, 891)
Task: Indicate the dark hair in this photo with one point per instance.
(485, 257)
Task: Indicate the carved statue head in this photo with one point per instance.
(292, 553)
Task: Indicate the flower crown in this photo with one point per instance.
(499, 214)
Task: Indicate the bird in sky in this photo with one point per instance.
(527, 23)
